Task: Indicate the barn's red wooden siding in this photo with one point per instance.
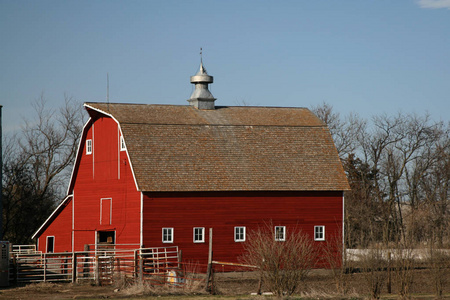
(106, 173)
(60, 228)
(222, 211)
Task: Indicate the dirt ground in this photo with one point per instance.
(235, 285)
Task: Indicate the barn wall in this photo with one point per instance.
(224, 210)
(105, 174)
(61, 229)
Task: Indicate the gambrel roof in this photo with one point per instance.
(181, 148)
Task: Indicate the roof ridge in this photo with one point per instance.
(222, 125)
(187, 105)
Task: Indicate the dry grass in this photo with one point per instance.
(325, 294)
(319, 284)
(159, 285)
(40, 287)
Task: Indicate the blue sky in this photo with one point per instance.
(367, 57)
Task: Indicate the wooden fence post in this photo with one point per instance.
(97, 271)
(180, 259)
(16, 269)
(74, 267)
(45, 267)
(86, 269)
(209, 280)
(141, 268)
(135, 264)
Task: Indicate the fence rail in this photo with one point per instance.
(101, 265)
(23, 249)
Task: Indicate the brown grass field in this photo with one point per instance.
(234, 285)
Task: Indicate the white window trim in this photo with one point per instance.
(123, 147)
(239, 240)
(171, 235)
(46, 244)
(202, 240)
(323, 233)
(88, 147)
(284, 233)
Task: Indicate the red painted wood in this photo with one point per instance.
(224, 210)
(60, 228)
(106, 173)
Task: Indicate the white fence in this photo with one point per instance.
(99, 265)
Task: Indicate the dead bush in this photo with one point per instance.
(335, 257)
(439, 262)
(283, 264)
(404, 263)
(373, 266)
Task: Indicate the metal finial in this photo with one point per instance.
(201, 56)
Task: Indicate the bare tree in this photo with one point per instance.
(343, 131)
(400, 150)
(399, 171)
(50, 142)
(37, 165)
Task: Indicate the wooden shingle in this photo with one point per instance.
(181, 148)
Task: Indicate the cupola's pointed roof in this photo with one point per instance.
(202, 76)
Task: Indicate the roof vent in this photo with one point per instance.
(202, 98)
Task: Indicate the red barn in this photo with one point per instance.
(158, 175)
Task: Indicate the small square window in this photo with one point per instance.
(280, 233)
(88, 147)
(167, 235)
(122, 144)
(239, 234)
(199, 235)
(319, 233)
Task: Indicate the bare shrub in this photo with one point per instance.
(373, 265)
(336, 259)
(136, 288)
(193, 281)
(404, 269)
(283, 264)
(439, 262)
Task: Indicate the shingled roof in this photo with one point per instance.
(181, 148)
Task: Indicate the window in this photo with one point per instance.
(319, 233)
(167, 235)
(122, 144)
(280, 233)
(199, 234)
(106, 237)
(50, 244)
(88, 147)
(239, 234)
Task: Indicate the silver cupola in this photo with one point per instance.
(201, 97)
